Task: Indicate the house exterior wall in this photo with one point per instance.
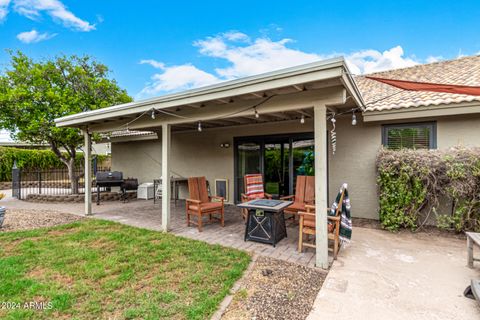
(195, 154)
(459, 130)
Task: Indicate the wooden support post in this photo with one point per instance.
(321, 184)
(87, 153)
(166, 190)
(469, 251)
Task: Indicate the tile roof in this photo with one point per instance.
(127, 133)
(379, 96)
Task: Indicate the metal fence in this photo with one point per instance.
(48, 181)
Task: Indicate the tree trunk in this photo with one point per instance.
(72, 176)
(70, 163)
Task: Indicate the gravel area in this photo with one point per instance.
(20, 219)
(276, 289)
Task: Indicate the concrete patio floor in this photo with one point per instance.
(383, 275)
(145, 214)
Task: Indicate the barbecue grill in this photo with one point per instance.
(108, 179)
(128, 184)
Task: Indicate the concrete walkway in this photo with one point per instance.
(382, 275)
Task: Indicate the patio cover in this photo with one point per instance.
(426, 86)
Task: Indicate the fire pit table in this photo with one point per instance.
(265, 220)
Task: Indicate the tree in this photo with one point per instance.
(34, 93)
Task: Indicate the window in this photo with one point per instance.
(410, 135)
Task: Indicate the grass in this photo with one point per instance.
(94, 269)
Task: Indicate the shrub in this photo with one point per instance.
(30, 159)
(412, 182)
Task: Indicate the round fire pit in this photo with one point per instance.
(2, 215)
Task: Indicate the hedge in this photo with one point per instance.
(413, 183)
(30, 159)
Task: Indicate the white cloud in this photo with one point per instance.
(261, 56)
(245, 56)
(32, 9)
(432, 59)
(4, 9)
(236, 36)
(153, 63)
(176, 78)
(34, 36)
(368, 61)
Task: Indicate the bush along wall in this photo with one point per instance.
(31, 159)
(412, 183)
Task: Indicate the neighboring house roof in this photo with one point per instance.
(17, 144)
(381, 97)
(128, 133)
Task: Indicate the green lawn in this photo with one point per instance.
(95, 269)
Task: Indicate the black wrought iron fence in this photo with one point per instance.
(49, 181)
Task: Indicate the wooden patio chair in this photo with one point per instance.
(304, 195)
(307, 226)
(253, 184)
(200, 204)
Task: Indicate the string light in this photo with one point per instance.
(354, 119)
(199, 126)
(153, 114)
(302, 119)
(256, 113)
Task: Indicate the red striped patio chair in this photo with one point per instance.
(253, 190)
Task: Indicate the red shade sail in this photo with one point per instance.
(425, 86)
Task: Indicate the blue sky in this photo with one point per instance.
(156, 47)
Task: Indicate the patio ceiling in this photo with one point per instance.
(231, 103)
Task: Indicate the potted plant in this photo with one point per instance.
(307, 168)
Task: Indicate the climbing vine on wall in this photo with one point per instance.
(413, 185)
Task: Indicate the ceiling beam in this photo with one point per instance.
(305, 113)
(299, 88)
(332, 109)
(279, 116)
(196, 106)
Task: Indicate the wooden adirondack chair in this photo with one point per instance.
(304, 194)
(200, 204)
(307, 227)
(253, 184)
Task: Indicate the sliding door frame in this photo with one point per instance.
(261, 140)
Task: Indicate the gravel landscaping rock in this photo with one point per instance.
(276, 289)
(17, 219)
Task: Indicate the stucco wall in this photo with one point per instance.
(460, 130)
(354, 163)
(196, 153)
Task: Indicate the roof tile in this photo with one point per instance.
(380, 96)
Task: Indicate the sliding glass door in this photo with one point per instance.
(279, 158)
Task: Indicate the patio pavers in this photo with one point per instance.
(145, 214)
